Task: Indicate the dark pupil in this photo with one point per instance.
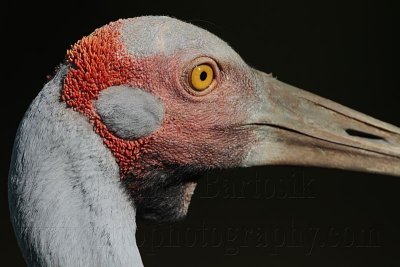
(203, 76)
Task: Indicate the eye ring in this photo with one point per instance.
(202, 76)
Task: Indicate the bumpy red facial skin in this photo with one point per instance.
(97, 62)
(195, 130)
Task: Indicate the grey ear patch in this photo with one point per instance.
(129, 112)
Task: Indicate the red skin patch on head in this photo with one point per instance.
(99, 61)
(195, 131)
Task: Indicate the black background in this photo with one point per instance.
(342, 50)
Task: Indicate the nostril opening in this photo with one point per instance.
(361, 134)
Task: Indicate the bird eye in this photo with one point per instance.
(202, 76)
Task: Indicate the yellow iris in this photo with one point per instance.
(202, 76)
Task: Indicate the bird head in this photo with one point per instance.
(171, 100)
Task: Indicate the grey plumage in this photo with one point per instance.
(67, 205)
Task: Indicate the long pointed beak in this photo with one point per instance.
(295, 127)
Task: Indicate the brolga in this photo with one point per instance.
(138, 111)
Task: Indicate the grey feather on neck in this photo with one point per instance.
(67, 205)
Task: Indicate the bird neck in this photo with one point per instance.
(67, 205)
